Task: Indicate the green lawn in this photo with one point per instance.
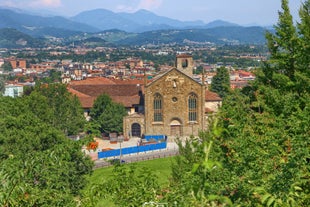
(160, 167)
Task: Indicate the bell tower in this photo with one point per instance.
(184, 63)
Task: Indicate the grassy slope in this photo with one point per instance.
(161, 167)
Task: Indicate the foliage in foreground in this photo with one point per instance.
(39, 165)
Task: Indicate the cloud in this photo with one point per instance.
(149, 4)
(7, 3)
(46, 3)
(135, 5)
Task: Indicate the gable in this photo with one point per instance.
(174, 76)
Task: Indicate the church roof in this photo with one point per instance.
(126, 94)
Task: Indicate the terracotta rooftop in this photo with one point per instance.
(112, 90)
(128, 95)
(211, 96)
(93, 81)
(87, 102)
(77, 93)
(128, 82)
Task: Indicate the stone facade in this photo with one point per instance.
(175, 89)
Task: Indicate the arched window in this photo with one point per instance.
(184, 63)
(158, 107)
(192, 107)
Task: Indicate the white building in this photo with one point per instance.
(13, 90)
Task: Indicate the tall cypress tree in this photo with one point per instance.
(220, 82)
(304, 33)
(284, 43)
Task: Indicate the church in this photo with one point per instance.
(175, 104)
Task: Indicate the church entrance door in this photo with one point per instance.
(136, 130)
(175, 128)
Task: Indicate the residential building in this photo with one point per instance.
(13, 90)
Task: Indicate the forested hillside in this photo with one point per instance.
(12, 38)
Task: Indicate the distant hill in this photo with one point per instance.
(104, 20)
(139, 21)
(104, 27)
(218, 35)
(220, 23)
(34, 24)
(12, 38)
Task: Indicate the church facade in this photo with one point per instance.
(174, 104)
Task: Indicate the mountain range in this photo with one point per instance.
(99, 20)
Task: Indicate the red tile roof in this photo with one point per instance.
(93, 81)
(211, 96)
(128, 95)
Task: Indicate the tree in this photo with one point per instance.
(2, 85)
(304, 31)
(107, 114)
(128, 186)
(7, 66)
(100, 105)
(67, 113)
(199, 70)
(112, 119)
(39, 165)
(221, 82)
(196, 175)
(283, 44)
(261, 138)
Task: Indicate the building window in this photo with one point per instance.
(158, 107)
(15, 92)
(184, 63)
(192, 107)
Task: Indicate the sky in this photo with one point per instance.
(243, 12)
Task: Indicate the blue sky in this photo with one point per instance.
(244, 12)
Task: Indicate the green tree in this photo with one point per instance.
(100, 106)
(199, 70)
(283, 44)
(39, 165)
(304, 31)
(112, 118)
(2, 85)
(196, 175)
(128, 186)
(221, 82)
(107, 114)
(7, 66)
(67, 113)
